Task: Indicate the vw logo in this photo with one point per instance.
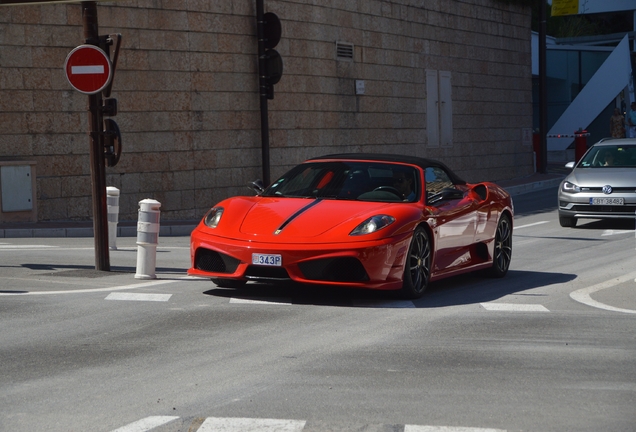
(607, 189)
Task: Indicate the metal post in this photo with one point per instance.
(543, 88)
(262, 89)
(98, 168)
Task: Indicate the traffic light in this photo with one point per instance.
(273, 63)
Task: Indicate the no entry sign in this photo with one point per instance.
(88, 69)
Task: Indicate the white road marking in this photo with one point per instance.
(139, 297)
(217, 424)
(511, 307)
(117, 288)
(615, 232)
(146, 424)
(238, 424)
(286, 302)
(584, 295)
(395, 304)
(411, 428)
(5, 246)
(532, 224)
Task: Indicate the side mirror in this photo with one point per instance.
(257, 186)
(569, 165)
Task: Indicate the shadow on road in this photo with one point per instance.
(459, 290)
(469, 289)
(89, 271)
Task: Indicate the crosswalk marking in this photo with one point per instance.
(139, 297)
(8, 246)
(395, 304)
(511, 307)
(610, 232)
(146, 424)
(242, 424)
(220, 424)
(273, 301)
(410, 428)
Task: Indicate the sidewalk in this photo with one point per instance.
(515, 187)
(537, 181)
(85, 229)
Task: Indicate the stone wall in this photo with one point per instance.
(187, 88)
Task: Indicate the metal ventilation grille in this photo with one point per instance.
(344, 51)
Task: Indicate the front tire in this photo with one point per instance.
(567, 222)
(417, 269)
(502, 254)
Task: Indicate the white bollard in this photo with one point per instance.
(112, 203)
(147, 238)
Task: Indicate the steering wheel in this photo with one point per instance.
(390, 189)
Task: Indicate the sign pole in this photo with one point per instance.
(262, 90)
(98, 168)
(543, 88)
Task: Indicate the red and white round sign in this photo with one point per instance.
(88, 69)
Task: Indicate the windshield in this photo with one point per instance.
(610, 156)
(364, 181)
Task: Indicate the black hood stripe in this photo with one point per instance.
(295, 215)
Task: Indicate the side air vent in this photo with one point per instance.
(344, 51)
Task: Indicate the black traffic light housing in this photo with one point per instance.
(272, 61)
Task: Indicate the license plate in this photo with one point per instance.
(607, 201)
(267, 259)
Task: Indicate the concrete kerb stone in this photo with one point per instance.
(126, 231)
(532, 187)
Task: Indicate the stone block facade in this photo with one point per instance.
(187, 89)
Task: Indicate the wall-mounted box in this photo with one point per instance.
(17, 191)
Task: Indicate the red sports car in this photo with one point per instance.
(374, 221)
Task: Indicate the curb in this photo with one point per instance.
(125, 231)
(532, 187)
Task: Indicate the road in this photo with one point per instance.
(550, 347)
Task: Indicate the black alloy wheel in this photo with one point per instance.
(502, 254)
(417, 269)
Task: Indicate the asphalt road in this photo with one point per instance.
(550, 347)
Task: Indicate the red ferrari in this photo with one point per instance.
(373, 221)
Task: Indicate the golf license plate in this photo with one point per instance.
(607, 201)
(267, 259)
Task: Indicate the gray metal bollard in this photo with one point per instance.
(112, 203)
(147, 238)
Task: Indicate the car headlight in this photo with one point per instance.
(373, 224)
(213, 217)
(570, 187)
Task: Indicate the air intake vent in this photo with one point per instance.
(344, 51)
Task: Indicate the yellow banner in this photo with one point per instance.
(565, 7)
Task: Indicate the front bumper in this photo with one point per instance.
(363, 264)
(579, 206)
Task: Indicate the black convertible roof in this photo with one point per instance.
(382, 157)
